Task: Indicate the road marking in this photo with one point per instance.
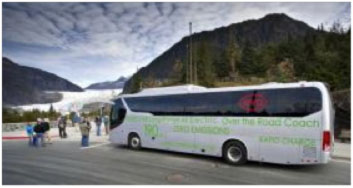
(20, 137)
(341, 161)
(94, 146)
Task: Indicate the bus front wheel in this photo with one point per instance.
(134, 141)
(234, 153)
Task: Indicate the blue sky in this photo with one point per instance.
(93, 42)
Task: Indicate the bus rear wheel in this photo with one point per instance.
(234, 153)
(134, 141)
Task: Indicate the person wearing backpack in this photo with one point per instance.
(85, 128)
(39, 130)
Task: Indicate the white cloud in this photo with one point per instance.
(114, 38)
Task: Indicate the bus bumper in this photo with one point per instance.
(326, 157)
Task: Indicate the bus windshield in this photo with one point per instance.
(117, 115)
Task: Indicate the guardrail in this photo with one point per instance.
(11, 127)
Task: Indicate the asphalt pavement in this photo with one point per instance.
(65, 162)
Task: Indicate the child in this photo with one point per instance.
(29, 130)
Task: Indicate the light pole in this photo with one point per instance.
(190, 48)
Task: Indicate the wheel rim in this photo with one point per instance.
(135, 142)
(234, 154)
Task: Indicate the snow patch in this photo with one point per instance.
(74, 101)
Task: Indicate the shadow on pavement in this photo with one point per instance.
(219, 161)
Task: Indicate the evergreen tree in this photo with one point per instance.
(205, 74)
(247, 59)
(51, 109)
(321, 27)
(179, 70)
(221, 66)
(51, 112)
(233, 54)
(337, 28)
(136, 83)
(251, 63)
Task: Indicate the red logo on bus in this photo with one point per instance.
(253, 102)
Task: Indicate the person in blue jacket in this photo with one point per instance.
(29, 130)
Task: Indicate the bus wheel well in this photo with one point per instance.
(132, 134)
(233, 140)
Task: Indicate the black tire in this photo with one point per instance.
(134, 142)
(235, 153)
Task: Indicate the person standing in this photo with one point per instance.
(64, 124)
(39, 130)
(98, 125)
(85, 128)
(75, 121)
(61, 127)
(29, 130)
(106, 124)
(46, 127)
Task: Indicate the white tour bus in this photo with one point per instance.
(286, 123)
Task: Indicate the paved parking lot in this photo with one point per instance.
(64, 162)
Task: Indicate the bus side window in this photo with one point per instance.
(298, 102)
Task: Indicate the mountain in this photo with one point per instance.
(118, 84)
(272, 28)
(27, 85)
